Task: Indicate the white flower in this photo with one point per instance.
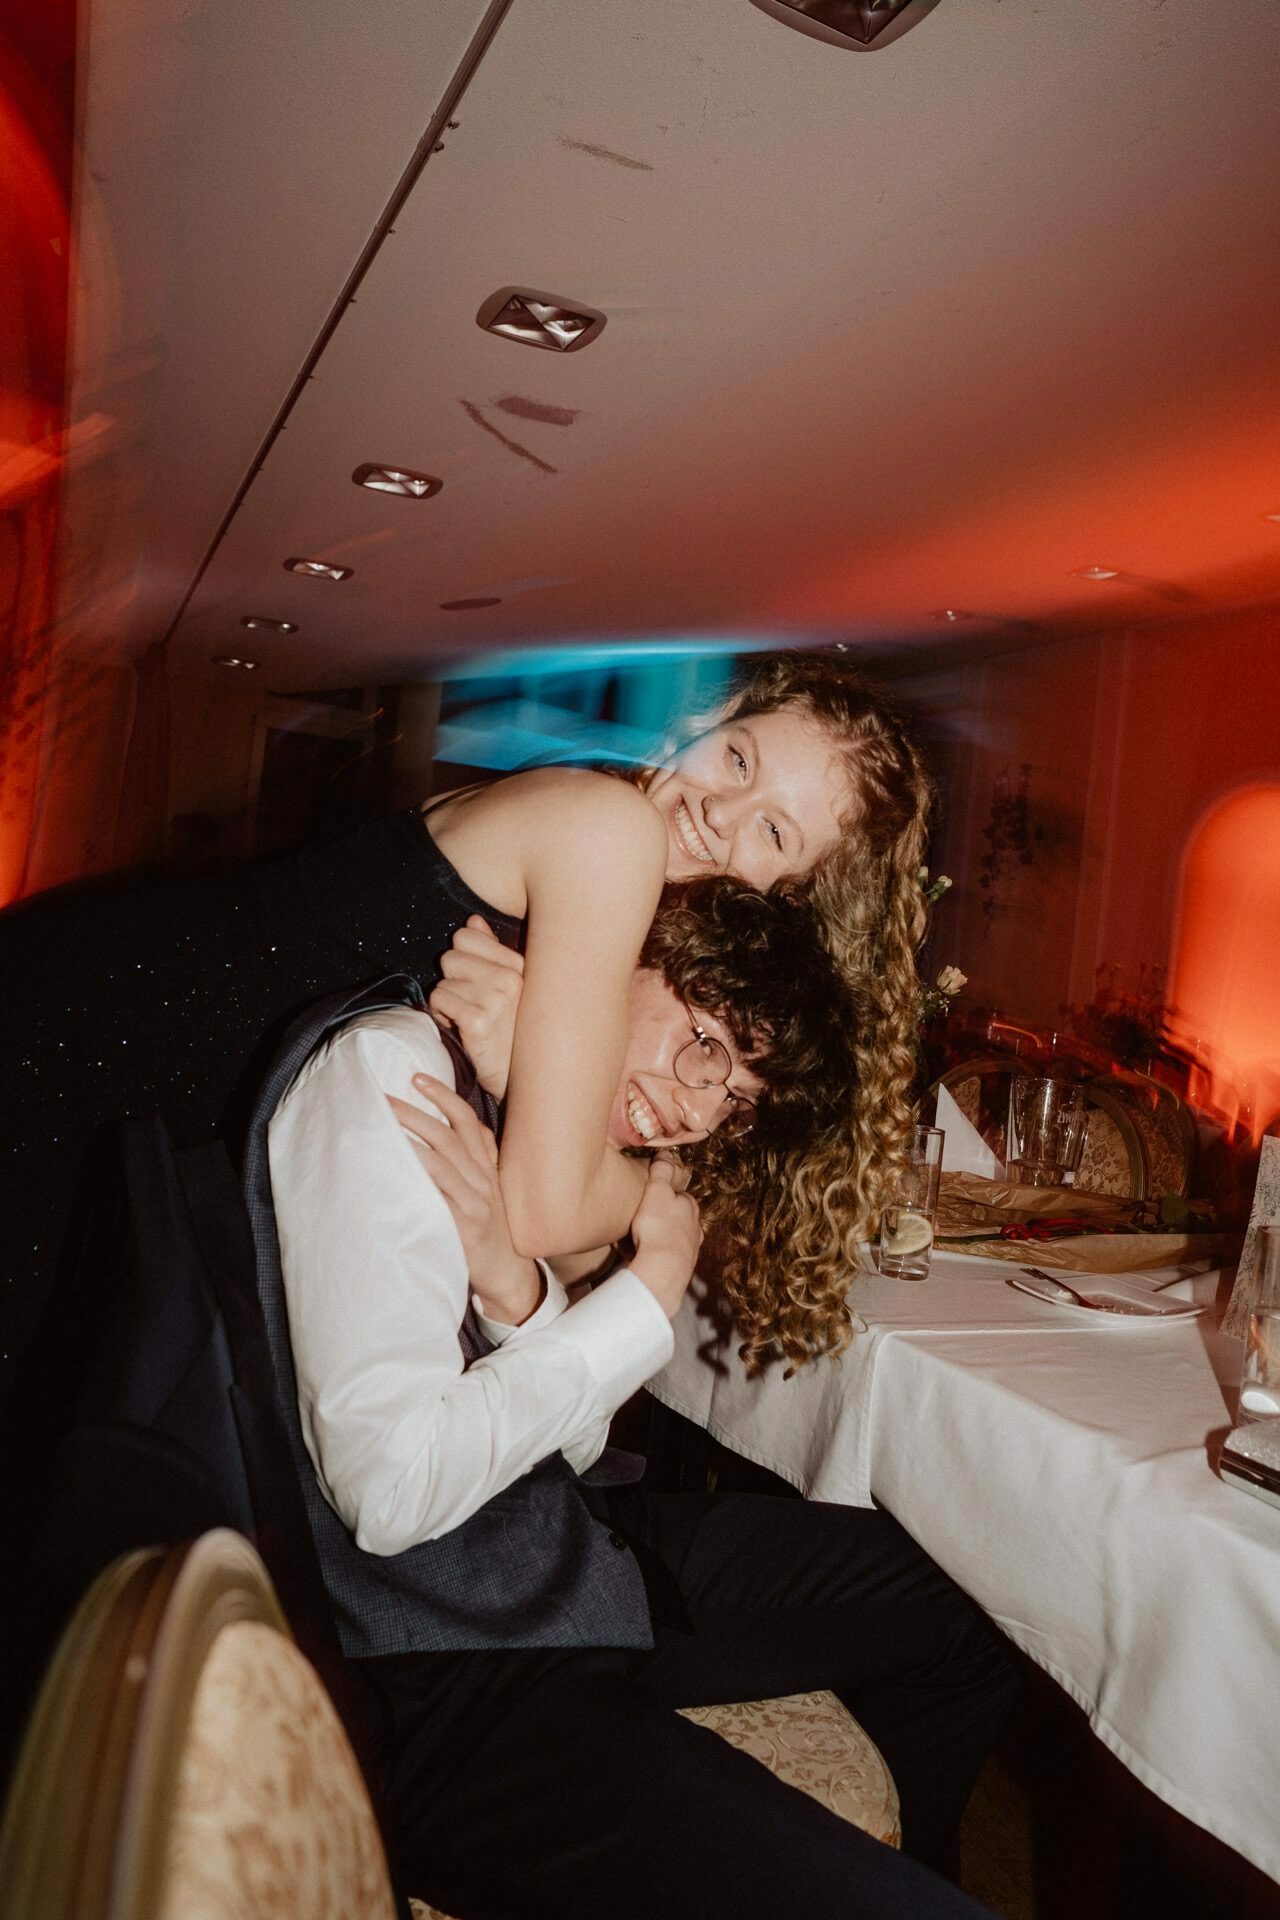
(951, 981)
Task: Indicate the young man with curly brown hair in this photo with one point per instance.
(522, 1615)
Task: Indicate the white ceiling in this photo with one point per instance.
(888, 333)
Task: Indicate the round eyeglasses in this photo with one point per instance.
(703, 1062)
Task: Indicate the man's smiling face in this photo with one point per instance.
(652, 1108)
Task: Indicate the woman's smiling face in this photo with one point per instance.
(762, 798)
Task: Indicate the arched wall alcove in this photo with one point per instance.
(1225, 977)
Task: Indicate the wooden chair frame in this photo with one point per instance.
(81, 1836)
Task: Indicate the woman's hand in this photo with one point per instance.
(462, 1159)
(667, 1231)
(480, 995)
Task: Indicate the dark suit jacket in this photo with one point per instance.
(167, 1416)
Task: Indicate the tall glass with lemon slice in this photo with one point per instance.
(907, 1223)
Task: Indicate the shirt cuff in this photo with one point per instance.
(622, 1333)
(554, 1302)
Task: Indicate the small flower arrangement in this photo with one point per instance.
(936, 1000)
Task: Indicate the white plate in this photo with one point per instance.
(1133, 1301)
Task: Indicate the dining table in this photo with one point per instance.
(1060, 1464)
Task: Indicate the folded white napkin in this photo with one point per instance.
(964, 1150)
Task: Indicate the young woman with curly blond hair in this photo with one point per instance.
(172, 990)
(844, 839)
(865, 893)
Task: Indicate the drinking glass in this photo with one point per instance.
(1260, 1381)
(1047, 1121)
(907, 1223)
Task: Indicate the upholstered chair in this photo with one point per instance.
(1112, 1159)
(813, 1743)
(980, 1088)
(1165, 1126)
(185, 1762)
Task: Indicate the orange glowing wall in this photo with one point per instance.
(36, 93)
(989, 719)
(1142, 747)
(1226, 974)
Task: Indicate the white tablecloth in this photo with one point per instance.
(1059, 1466)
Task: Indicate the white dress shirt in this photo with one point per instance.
(405, 1442)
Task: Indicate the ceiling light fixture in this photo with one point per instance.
(1096, 573)
(232, 660)
(863, 26)
(465, 606)
(1272, 516)
(318, 570)
(950, 613)
(540, 319)
(259, 623)
(402, 480)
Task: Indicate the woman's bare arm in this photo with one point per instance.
(584, 857)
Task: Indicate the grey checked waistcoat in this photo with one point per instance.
(534, 1567)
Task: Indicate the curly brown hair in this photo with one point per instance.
(772, 1200)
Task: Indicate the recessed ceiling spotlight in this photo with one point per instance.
(1096, 573)
(232, 660)
(402, 480)
(318, 569)
(862, 25)
(259, 623)
(465, 606)
(540, 319)
(950, 613)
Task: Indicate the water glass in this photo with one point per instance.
(1260, 1381)
(1047, 1122)
(908, 1221)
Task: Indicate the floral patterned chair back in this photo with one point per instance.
(1165, 1126)
(1112, 1159)
(980, 1088)
(184, 1760)
(813, 1743)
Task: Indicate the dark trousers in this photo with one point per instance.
(563, 1783)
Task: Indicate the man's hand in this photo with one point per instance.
(479, 995)
(667, 1231)
(462, 1159)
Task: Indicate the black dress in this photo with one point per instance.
(167, 994)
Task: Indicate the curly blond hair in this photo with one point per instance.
(788, 1222)
(785, 1275)
(866, 893)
